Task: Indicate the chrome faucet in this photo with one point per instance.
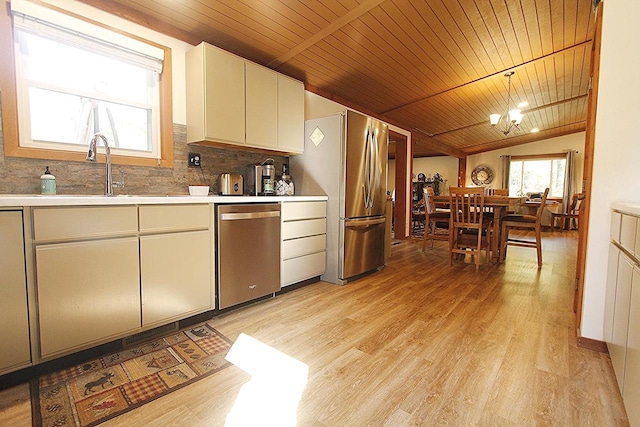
(91, 156)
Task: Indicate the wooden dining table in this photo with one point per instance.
(500, 205)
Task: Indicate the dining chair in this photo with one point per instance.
(470, 232)
(417, 217)
(573, 213)
(493, 192)
(436, 226)
(523, 222)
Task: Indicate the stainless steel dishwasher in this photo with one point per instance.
(248, 252)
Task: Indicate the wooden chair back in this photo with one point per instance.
(469, 233)
(436, 225)
(574, 208)
(429, 204)
(467, 206)
(543, 201)
(497, 192)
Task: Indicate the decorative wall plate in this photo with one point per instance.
(482, 175)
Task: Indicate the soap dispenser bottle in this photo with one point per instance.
(47, 182)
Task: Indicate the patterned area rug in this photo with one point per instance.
(95, 391)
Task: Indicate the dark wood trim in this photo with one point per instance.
(587, 173)
(462, 172)
(400, 206)
(7, 79)
(591, 344)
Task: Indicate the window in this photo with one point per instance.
(533, 175)
(73, 83)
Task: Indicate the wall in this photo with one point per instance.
(617, 148)
(561, 144)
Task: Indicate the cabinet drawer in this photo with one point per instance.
(295, 229)
(628, 232)
(303, 246)
(163, 218)
(305, 267)
(303, 210)
(79, 223)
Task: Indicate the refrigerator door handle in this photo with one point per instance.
(366, 182)
(374, 166)
(364, 222)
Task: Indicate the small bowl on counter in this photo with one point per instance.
(198, 190)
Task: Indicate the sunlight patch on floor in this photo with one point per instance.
(271, 397)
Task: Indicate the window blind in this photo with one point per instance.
(66, 29)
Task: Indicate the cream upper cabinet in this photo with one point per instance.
(14, 318)
(290, 115)
(215, 89)
(262, 107)
(234, 101)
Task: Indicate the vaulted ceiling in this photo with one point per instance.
(435, 67)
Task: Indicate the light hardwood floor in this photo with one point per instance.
(419, 343)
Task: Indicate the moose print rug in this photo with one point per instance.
(92, 392)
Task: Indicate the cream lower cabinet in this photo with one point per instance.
(632, 361)
(15, 351)
(303, 241)
(88, 293)
(620, 325)
(622, 309)
(175, 262)
(87, 276)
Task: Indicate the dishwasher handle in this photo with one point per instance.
(232, 216)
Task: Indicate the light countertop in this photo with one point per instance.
(19, 200)
(629, 208)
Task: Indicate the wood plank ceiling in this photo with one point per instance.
(435, 67)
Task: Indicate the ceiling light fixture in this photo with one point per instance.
(512, 117)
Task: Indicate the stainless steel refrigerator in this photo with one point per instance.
(345, 158)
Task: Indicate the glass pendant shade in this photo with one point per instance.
(515, 116)
(494, 119)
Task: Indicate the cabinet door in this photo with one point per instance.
(14, 318)
(224, 96)
(610, 294)
(290, 115)
(88, 292)
(618, 345)
(176, 275)
(632, 369)
(262, 106)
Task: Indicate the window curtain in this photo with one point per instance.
(506, 169)
(569, 180)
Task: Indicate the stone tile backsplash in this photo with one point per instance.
(22, 176)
